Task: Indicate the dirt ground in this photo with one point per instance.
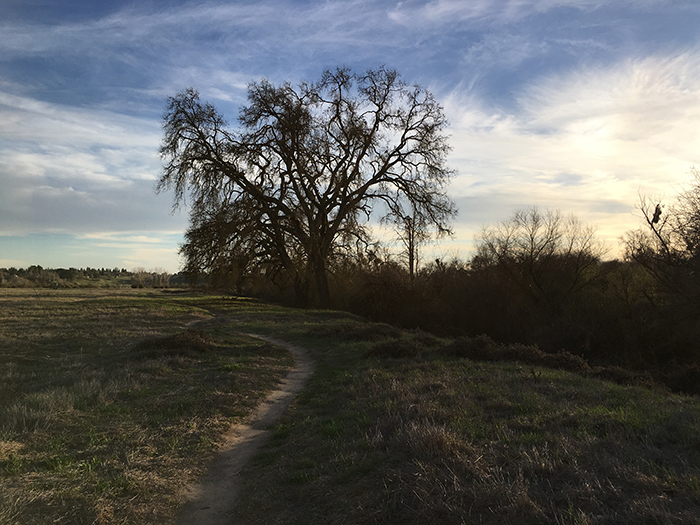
(212, 501)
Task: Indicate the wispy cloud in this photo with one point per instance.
(75, 169)
(417, 12)
(612, 131)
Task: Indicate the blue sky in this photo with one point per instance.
(580, 105)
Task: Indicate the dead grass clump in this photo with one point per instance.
(356, 332)
(480, 348)
(483, 348)
(527, 354)
(36, 411)
(427, 339)
(9, 448)
(428, 439)
(187, 343)
(565, 360)
(397, 349)
(622, 376)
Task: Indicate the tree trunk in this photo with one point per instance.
(321, 276)
(301, 292)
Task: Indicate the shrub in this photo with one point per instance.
(397, 348)
(479, 348)
(483, 348)
(354, 332)
(189, 342)
(682, 378)
(567, 361)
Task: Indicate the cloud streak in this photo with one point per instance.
(612, 132)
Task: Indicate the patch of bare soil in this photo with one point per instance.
(212, 501)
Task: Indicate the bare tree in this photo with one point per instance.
(548, 256)
(413, 230)
(293, 187)
(669, 244)
(413, 233)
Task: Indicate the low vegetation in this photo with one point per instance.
(111, 402)
(109, 405)
(399, 428)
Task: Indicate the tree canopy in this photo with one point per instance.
(293, 187)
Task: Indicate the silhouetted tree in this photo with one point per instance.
(547, 256)
(292, 189)
(669, 246)
(412, 231)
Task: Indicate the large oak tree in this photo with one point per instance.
(294, 185)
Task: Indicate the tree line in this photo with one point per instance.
(36, 276)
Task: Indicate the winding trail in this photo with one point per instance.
(212, 500)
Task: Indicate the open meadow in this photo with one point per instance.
(110, 404)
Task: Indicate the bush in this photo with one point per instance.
(483, 348)
(18, 282)
(681, 378)
(397, 349)
(189, 342)
(354, 332)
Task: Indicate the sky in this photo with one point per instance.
(575, 105)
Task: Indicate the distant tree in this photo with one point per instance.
(140, 278)
(413, 230)
(412, 234)
(160, 278)
(293, 187)
(547, 256)
(668, 247)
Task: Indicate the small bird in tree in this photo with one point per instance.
(657, 214)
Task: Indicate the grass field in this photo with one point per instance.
(108, 406)
(431, 438)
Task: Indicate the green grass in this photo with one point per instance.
(105, 413)
(431, 438)
(108, 406)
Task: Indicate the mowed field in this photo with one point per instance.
(110, 405)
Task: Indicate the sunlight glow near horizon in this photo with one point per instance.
(569, 105)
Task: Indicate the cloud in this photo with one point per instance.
(587, 141)
(38, 122)
(13, 263)
(504, 50)
(573, 104)
(440, 12)
(122, 239)
(76, 170)
(635, 116)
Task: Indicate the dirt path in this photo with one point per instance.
(212, 501)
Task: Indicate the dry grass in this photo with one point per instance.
(433, 438)
(108, 406)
